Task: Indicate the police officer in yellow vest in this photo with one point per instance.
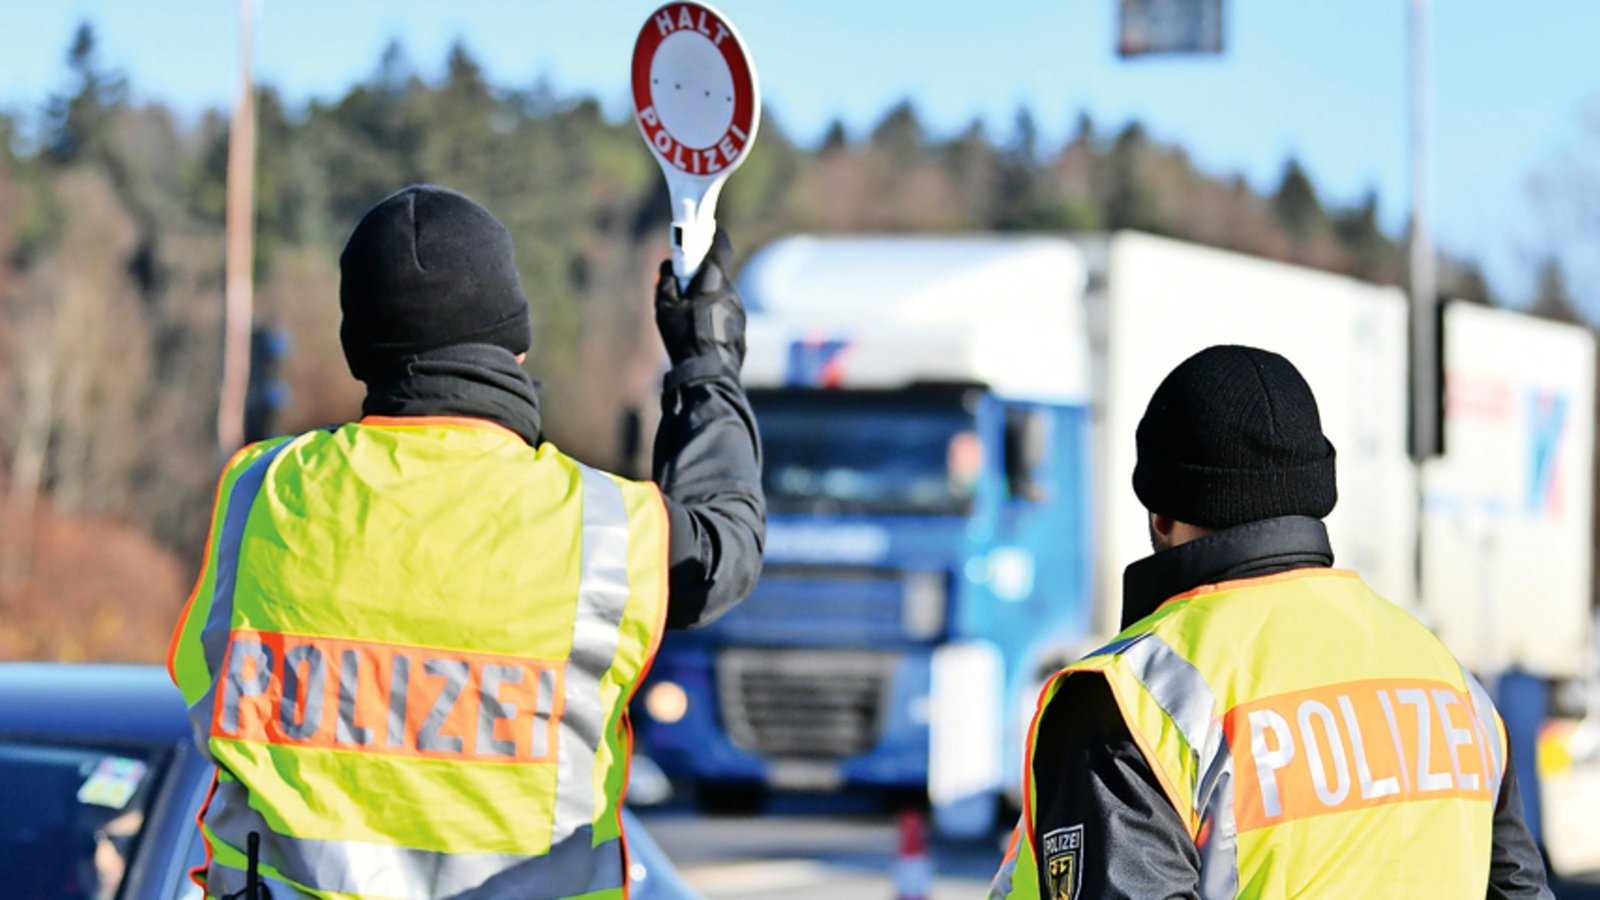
(413, 642)
(1265, 726)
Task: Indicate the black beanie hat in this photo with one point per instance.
(1233, 436)
(428, 268)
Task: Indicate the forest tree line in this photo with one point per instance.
(111, 277)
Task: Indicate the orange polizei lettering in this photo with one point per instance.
(1355, 745)
(392, 699)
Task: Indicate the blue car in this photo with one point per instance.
(100, 787)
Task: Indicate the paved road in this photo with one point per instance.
(819, 857)
(795, 857)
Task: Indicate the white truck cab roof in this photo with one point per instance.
(888, 311)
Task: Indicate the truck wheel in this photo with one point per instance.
(730, 798)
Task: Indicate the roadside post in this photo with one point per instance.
(698, 105)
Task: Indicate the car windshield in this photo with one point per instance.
(70, 816)
(867, 452)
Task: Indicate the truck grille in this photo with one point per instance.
(818, 606)
(816, 704)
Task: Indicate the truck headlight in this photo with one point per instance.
(666, 702)
(924, 596)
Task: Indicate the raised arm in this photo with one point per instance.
(707, 456)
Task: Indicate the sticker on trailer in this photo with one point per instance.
(817, 363)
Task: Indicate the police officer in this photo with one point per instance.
(413, 642)
(1265, 726)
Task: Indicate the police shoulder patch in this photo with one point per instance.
(1063, 854)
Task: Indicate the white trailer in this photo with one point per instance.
(1006, 312)
(1508, 509)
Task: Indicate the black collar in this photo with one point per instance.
(1250, 550)
(476, 380)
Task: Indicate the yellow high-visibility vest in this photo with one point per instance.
(410, 654)
(1316, 740)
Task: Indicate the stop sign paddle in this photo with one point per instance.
(698, 104)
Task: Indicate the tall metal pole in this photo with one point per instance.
(238, 300)
(1423, 282)
(1425, 386)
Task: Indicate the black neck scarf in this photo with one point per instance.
(1264, 547)
(479, 381)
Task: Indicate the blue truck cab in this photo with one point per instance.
(924, 413)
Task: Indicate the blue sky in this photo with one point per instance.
(1320, 79)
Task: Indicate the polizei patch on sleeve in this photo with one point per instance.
(1063, 857)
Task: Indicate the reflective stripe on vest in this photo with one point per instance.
(573, 867)
(1487, 723)
(1188, 701)
(226, 881)
(1002, 885)
(602, 596)
(214, 637)
(309, 694)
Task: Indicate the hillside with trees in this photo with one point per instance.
(111, 274)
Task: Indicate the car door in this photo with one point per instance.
(183, 849)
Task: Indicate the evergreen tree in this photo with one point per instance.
(1083, 131)
(1017, 204)
(899, 133)
(77, 123)
(1463, 280)
(1552, 299)
(461, 136)
(1025, 138)
(395, 72)
(1129, 202)
(1357, 230)
(835, 139)
(1296, 203)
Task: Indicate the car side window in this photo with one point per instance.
(194, 854)
(1027, 446)
(190, 850)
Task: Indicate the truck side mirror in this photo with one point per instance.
(1024, 451)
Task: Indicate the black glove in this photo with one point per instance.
(708, 319)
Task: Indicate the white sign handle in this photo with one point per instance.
(694, 223)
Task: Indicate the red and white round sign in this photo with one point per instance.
(694, 90)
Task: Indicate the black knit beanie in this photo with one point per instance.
(428, 268)
(1233, 436)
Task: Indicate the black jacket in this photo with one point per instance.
(1088, 771)
(707, 458)
(708, 464)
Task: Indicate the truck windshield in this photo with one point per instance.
(868, 452)
(70, 816)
